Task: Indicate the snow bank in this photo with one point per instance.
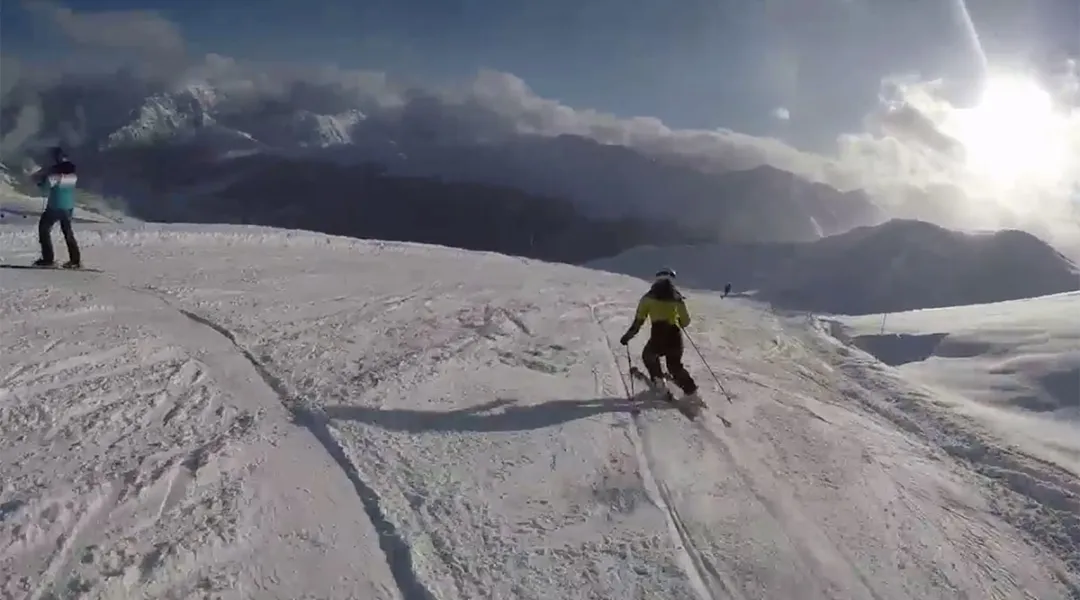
(1005, 363)
(899, 265)
(1028, 350)
(244, 413)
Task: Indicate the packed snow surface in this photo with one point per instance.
(246, 413)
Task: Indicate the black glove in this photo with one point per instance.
(625, 339)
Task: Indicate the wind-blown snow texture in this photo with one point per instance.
(243, 413)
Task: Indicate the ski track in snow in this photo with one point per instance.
(237, 413)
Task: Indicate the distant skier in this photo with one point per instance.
(666, 308)
(727, 290)
(59, 181)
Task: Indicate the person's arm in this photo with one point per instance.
(41, 177)
(683, 312)
(639, 319)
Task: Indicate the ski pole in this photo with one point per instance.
(707, 367)
(629, 370)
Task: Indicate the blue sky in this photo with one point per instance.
(692, 63)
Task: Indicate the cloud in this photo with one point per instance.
(905, 156)
(781, 113)
(122, 29)
(11, 71)
(27, 124)
(914, 159)
(519, 108)
(1068, 83)
(491, 106)
(910, 111)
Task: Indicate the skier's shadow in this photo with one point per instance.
(502, 414)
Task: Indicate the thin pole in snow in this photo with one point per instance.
(707, 366)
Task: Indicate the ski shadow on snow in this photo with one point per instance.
(502, 414)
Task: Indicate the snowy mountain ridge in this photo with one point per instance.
(197, 111)
(123, 130)
(241, 411)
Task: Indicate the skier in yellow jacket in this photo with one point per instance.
(666, 308)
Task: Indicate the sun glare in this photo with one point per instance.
(1013, 135)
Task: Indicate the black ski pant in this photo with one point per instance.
(51, 217)
(667, 342)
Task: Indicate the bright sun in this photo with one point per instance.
(1013, 135)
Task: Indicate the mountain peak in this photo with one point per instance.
(165, 115)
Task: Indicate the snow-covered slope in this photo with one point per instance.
(1016, 364)
(247, 413)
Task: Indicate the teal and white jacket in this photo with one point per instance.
(59, 181)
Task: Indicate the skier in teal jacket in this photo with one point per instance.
(58, 180)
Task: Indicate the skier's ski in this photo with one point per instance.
(689, 409)
(52, 268)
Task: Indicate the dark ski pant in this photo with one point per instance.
(667, 342)
(51, 217)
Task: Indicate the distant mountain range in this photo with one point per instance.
(312, 155)
(899, 265)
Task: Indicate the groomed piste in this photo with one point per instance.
(231, 412)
